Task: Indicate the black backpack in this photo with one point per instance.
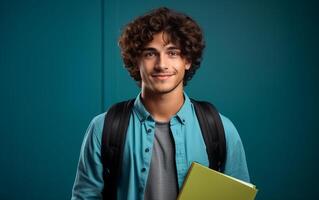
(114, 134)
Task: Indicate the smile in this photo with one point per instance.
(161, 76)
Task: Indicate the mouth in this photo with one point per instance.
(161, 77)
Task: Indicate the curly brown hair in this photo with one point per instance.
(181, 30)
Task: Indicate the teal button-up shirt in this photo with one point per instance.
(189, 147)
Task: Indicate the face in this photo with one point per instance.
(162, 67)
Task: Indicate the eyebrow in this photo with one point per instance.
(149, 49)
(173, 48)
(153, 49)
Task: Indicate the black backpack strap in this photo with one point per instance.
(113, 138)
(213, 133)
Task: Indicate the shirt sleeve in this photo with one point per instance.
(88, 182)
(235, 164)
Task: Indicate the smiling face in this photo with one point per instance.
(162, 67)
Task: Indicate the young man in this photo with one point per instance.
(161, 50)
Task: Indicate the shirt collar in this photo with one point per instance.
(182, 115)
(185, 110)
(140, 110)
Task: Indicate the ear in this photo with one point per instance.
(187, 66)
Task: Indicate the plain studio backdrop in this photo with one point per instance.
(61, 66)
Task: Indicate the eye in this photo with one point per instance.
(173, 53)
(148, 54)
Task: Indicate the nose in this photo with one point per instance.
(161, 62)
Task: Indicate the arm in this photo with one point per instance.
(235, 165)
(89, 178)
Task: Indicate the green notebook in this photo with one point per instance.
(207, 184)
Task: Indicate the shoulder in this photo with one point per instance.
(231, 132)
(227, 123)
(98, 120)
(96, 126)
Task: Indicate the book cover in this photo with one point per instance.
(207, 184)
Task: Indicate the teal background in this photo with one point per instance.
(60, 66)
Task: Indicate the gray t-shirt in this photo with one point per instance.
(162, 180)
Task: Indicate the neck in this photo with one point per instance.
(164, 105)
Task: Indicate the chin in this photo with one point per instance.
(164, 90)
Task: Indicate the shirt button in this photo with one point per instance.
(147, 150)
(149, 130)
(143, 169)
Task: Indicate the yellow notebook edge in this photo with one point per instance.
(199, 165)
(233, 178)
(185, 180)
